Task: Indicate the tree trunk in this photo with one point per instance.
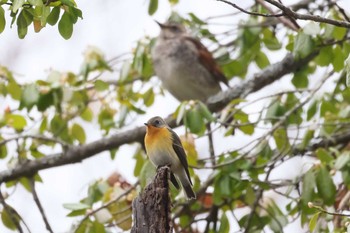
(152, 208)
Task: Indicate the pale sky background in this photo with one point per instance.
(113, 26)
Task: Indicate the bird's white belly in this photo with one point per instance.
(165, 157)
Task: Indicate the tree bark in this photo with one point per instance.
(152, 208)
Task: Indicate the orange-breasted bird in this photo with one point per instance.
(164, 147)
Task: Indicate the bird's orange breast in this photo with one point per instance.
(157, 138)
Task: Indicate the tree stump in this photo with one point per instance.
(152, 208)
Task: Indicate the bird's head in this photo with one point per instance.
(156, 122)
(171, 30)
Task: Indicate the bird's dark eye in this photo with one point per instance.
(175, 28)
(157, 122)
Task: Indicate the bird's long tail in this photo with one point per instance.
(186, 184)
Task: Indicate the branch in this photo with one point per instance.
(250, 12)
(289, 12)
(292, 14)
(40, 207)
(151, 210)
(75, 154)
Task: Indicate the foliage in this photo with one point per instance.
(309, 121)
(39, 13)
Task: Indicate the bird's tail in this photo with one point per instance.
(189, 192)
(186, 184)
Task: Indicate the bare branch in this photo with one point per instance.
(249, 12)
(289, 12)
(288, 22)
(40, 207)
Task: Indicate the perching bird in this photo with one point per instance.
(184, 65)
(164, 147)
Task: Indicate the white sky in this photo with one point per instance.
(113, 26)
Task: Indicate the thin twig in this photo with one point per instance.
(38, 204)
(289, 12)
(249, 12)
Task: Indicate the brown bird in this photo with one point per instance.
(184, 65)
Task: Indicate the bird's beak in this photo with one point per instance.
(146, 124)
(160, 24)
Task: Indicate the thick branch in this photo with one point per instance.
(152, 208)
(76, 154)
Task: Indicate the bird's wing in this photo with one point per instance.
(180, 152)
(207, 60)
(174, 181)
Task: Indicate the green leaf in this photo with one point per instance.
(53, 16)
(45, 12)
(306, 139)
(325, 56)
(312, 110)
(76, 206)
(205, 113)
(16, 121)
(152, 7)
(146, 173)
(224, 224)
(22, 25)
(36, 2)
(87, 114)
(327, 107)
(194, 121)
(78, 133)
(324, 156)
(347, 70)
(338, 60)
(148, 97)
(57, 124)
(313, 222)
(249, 196)
(303, 45)
(281, 139)
(101, 85)
(300, 79)
(75, 213)
(14, 90)
(261, 60)
(7, 220)
(16, 5)
(270, 40)
(68, 2)
(30, 96)
(339, 33)
(325, 186)
(274, 111)
(342, 161)
(308, 187)
(65, 26)
(46, 100)
(3, 151)
(2, 20)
